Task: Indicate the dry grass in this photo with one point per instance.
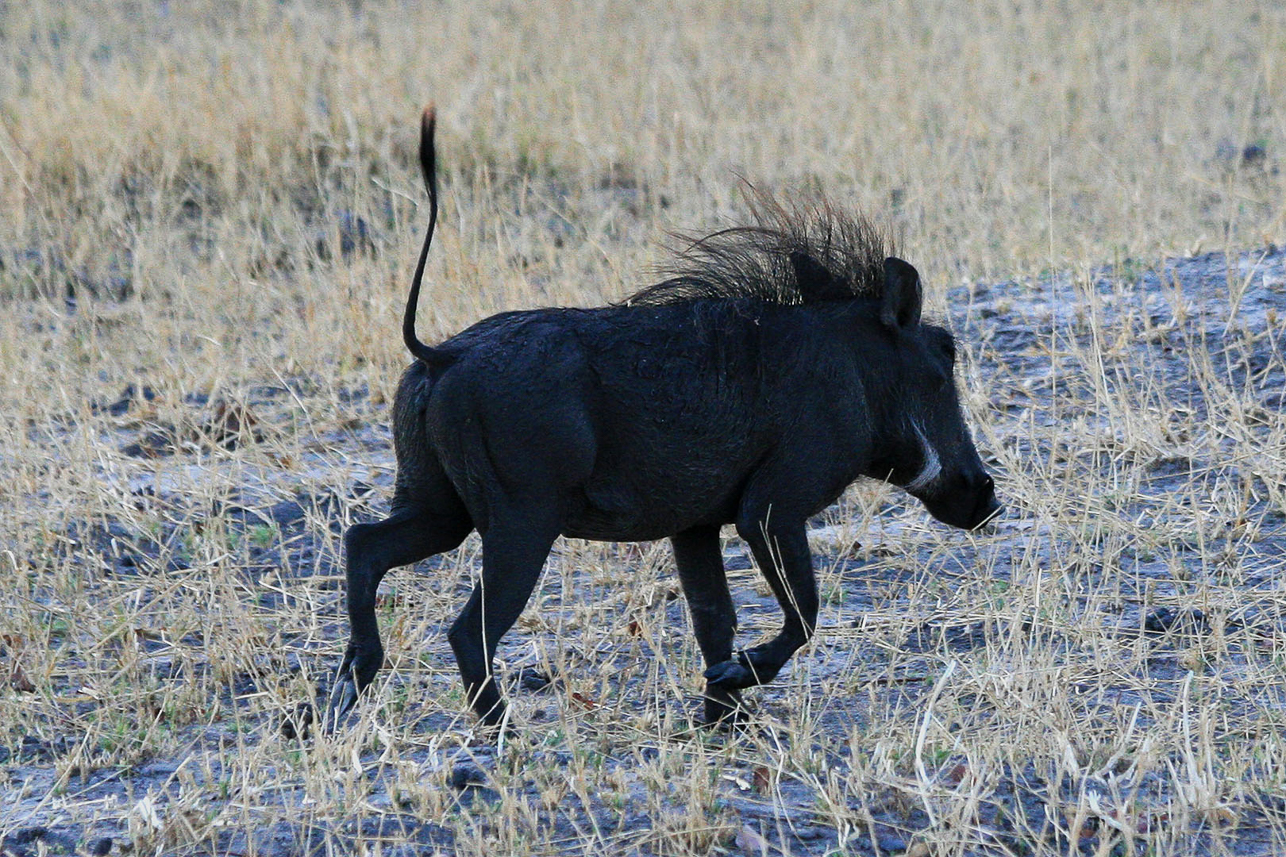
(180, 191)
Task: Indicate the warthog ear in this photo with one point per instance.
(815, 281)
(903, 296)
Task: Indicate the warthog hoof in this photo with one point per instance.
(343, 696)
(731, 675)
(354, 675)
(722, 707)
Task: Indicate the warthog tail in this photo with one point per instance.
(424, 353)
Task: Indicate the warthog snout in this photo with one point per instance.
(969, 503)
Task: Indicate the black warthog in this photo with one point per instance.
(781, 362)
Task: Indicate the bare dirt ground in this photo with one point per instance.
(1148, 618)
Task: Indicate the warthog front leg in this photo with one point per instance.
(784, 559)
(714, 619)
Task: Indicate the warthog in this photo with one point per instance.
(778, 364)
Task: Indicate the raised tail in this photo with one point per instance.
(424, 353)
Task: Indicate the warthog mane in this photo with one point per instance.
(799, 251)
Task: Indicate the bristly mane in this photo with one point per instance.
(800, 252)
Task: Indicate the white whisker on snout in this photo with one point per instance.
(932, 465)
